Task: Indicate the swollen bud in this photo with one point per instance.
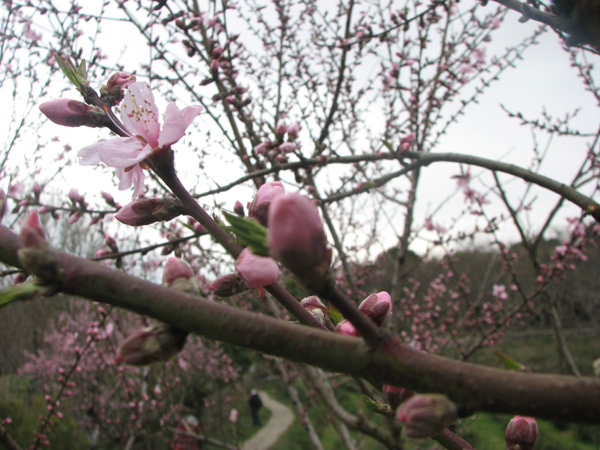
(179, 275)
(297, 239)
(72, 113)
(256, 271)
(114, 90)
(228, 285)
(315, 306)
(36, 256)
(145, 211)
(521, 433)
(346, 328)
(377, 307)
(155, 343)
(426, 415)
(259, 208)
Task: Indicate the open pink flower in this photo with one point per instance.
(139, 115)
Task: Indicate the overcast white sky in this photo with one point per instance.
(544, 79)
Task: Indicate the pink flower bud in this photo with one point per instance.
(315, 306)
(297, 238)
(233, 415)
(179, 275)
(156, 343)
(239, 209)
(396, 395)
(281, 129)
(293, 131)
(228, 285)
(68, 113)
(346, 328)
(32, 234)
(263, 147)
(406, 142)
(75, 196)
(287, 147)
(256, 271)
(377, 307)
(259, 208)
(108, 198)
(521, 433)
(120, 79)
(426, 415)
(145, 211)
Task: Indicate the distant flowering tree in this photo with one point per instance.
(320, 121)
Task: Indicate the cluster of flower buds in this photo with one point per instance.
(297, 239)
(521, 433)
(280, 147)
(424, 415)
(145, 211)
(114, 90)
(160, 342)
(259, 208)
(377, 307)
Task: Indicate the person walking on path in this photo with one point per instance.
(255, 404)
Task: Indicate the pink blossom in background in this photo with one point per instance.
(499, 291)
(256, 271)
(233, 415)
(139, 115)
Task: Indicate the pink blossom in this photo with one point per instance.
(139, 115)
(499, 291)
(120, 79)
(179, 275)
(233, 415)
(256, 271)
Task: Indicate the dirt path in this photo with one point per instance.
(281, 419)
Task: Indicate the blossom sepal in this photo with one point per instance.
(250, 233)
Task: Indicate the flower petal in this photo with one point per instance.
(118, 152)
(176, 122)
(139, 113)
(135, 176)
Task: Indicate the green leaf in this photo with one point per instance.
(388, 145)
(76, 74)
(334, 315)
(376, 407)
(508, 362)
(25, 291)
(250, 233)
